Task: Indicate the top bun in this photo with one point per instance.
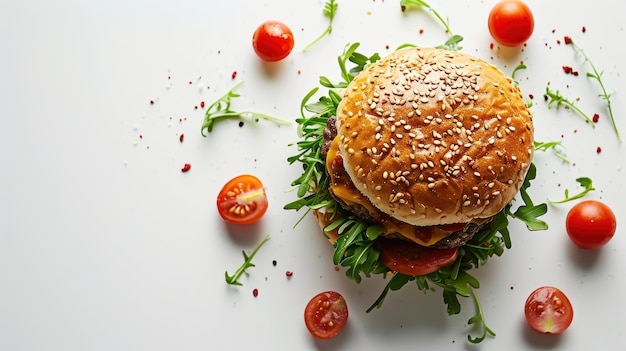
(435, 137)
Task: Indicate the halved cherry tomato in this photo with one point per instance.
(409, 258)
(590, 224)
(511, 22)
(242, 200)
(548, 310)
(326, 314)
(272, 41)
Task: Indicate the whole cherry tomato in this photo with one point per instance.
(272, 41)
(511, 22)
(590, 224)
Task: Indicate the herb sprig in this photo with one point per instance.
(453, 41)
(355, 247)
(554, 97)
(479, 319)
(330, 8)
(220, 110)
(597, 75)
(554, 145)
(247, 263)
(587, 185)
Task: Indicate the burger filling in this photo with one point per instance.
(349, 198)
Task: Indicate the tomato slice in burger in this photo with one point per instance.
(242, 200)
(409, 258)
(326, 314)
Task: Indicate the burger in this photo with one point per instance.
(411, 168)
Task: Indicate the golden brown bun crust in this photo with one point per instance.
(435, 137)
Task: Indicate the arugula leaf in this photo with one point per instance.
(555, 145)
(453, 42)
(554, 97)
(247, 263)
(479, 319)
(220, 109)
(587, 185)
(330, 8)
(597, 76)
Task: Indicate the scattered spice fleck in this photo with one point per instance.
(596, 118)
(234, 75)
(151, 102)
(255, 292)
(567, 39)
(181, 137)
(190, 82)
(491, 46)
(299, 72)
(598, 150)
(289, 273)
(186, 167)
(584, 29)
(202, 104)
(531, 96)
(421, 30)
(274, 263)
(240, 124)
(570, 70)
(337, 268)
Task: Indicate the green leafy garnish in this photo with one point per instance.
(330, 8)
(529, 213)
(521, 66)
(453, 42)
(220, 109)
(554, 145)
(555, 97)
(587, 185)
(349, 54)
(598, 77)
(479, 320)
(355, 248)
(247, 263)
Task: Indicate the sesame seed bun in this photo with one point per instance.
(435, 137)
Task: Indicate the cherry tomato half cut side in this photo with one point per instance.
(548, 310)
(242, 200)
(326, 314)
(409, 258)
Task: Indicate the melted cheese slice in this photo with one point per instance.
(425, 236)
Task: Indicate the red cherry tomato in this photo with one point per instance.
(548, 310)
(590, 224)
(411, 259)
(511, 22)
(272, 41)
(326, 314)
(242, 200)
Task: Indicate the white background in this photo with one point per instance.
(106, 245)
